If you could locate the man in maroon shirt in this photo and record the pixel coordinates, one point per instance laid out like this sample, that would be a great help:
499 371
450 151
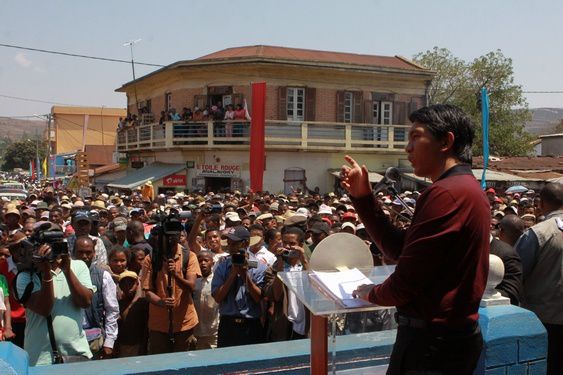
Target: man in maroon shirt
442 258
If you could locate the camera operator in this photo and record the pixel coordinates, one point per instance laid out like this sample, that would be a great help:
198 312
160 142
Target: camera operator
100 320
290 318
57 289
170 289
237 288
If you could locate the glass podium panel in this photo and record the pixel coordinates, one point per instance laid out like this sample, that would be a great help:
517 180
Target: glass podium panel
322 305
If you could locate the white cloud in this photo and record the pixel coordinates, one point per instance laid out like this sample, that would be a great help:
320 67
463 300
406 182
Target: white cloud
22 60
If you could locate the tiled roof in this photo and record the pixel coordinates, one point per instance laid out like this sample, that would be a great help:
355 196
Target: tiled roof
308 55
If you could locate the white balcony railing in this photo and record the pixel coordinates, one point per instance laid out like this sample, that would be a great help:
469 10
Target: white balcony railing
278 135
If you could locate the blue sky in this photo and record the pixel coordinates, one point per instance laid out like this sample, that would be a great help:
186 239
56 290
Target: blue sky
529 32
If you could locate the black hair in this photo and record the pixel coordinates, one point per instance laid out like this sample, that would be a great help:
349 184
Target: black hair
440 119
270 234
294 230
552 194
116 249
256 227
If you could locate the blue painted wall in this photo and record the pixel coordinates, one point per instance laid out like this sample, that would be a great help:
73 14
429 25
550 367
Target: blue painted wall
515 343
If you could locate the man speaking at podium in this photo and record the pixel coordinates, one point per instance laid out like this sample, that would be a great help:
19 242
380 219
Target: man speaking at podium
442 258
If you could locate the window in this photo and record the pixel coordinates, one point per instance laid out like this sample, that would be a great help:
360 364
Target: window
348 105
167 101
295 103
383 113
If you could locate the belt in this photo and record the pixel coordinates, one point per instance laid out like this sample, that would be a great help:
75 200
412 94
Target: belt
237 319
407 321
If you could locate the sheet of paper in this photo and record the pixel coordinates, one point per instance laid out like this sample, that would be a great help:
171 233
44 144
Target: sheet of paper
342 284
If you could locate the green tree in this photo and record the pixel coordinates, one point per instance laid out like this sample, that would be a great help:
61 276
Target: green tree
458 82
20 153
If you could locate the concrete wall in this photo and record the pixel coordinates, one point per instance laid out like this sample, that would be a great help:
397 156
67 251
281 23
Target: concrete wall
552 145
515 343
316 165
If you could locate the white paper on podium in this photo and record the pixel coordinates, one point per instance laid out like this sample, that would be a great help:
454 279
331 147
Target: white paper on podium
341 284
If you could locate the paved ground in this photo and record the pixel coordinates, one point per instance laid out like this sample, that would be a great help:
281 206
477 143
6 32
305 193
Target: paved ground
374 370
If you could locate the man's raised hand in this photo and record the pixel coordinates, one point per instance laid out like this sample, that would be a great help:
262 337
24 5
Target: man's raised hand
355 179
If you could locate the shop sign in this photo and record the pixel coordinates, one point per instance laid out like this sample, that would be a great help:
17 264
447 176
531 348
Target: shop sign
218 170
174 180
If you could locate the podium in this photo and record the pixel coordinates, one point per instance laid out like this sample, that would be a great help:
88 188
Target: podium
334 253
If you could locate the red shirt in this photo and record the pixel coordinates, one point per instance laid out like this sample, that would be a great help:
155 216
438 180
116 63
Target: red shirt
442 258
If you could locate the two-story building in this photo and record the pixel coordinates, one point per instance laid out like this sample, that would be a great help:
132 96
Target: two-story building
319 106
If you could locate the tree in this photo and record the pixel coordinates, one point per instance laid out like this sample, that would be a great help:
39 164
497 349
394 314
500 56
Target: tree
459 83
20 153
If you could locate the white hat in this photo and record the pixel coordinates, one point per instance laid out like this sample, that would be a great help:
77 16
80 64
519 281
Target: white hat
303 211
232 216
265 216
324 210
349 225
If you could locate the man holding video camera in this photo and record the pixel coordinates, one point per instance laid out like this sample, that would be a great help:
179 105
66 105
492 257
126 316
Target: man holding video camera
54 289
237 288
168 278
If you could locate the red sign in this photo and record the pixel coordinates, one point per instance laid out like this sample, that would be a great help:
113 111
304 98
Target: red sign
175 180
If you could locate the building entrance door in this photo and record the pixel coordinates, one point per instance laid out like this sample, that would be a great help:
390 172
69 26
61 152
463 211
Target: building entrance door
217 184
294 180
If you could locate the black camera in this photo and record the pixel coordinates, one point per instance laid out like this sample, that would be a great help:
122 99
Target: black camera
45 234
240 260
166 230
288 253
212 209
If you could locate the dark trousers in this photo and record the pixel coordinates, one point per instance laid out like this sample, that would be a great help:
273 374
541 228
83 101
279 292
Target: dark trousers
426 351
235 331
19 331
159 342
554 349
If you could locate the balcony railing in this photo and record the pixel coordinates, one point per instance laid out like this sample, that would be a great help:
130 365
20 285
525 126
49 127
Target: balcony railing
278 135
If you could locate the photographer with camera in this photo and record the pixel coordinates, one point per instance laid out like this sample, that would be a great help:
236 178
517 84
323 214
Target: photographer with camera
168 278
237 288
290 320
100 321
54 289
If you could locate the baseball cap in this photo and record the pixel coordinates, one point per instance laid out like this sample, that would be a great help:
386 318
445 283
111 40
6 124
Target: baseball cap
238 233
349 225
81 216
320 227
128 273
349 215
232 216
491 190
119 224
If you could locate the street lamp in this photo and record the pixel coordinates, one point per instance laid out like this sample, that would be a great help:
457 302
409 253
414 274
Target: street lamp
130 44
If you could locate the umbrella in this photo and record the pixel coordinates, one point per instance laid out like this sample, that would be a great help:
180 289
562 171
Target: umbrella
517 189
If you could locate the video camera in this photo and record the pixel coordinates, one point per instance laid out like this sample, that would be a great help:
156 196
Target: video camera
44 234
240 259
212 209
166 230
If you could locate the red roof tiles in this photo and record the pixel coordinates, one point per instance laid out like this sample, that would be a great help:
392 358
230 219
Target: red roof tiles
285 53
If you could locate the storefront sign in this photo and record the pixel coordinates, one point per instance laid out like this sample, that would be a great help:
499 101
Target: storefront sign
174 180
218 170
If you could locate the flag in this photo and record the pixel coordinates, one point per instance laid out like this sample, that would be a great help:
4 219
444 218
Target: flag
53 167
257 134
485 123
38 168
44 168
32 170
246 114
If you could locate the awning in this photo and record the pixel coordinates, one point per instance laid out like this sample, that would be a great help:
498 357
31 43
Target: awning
152 172
373 176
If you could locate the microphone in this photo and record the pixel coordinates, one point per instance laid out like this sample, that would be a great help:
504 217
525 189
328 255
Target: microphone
392 175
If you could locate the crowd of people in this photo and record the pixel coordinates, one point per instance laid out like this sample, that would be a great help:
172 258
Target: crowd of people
229 119
129 285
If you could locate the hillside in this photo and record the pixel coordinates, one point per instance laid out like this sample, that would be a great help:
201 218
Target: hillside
544 120
16 128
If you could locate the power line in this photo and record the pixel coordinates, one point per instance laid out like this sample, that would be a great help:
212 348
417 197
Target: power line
542 92
36 100
78 55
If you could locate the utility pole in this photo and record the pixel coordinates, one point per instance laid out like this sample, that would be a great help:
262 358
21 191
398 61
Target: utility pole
130 44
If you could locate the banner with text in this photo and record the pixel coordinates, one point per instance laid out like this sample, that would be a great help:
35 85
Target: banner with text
174 180
218 170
